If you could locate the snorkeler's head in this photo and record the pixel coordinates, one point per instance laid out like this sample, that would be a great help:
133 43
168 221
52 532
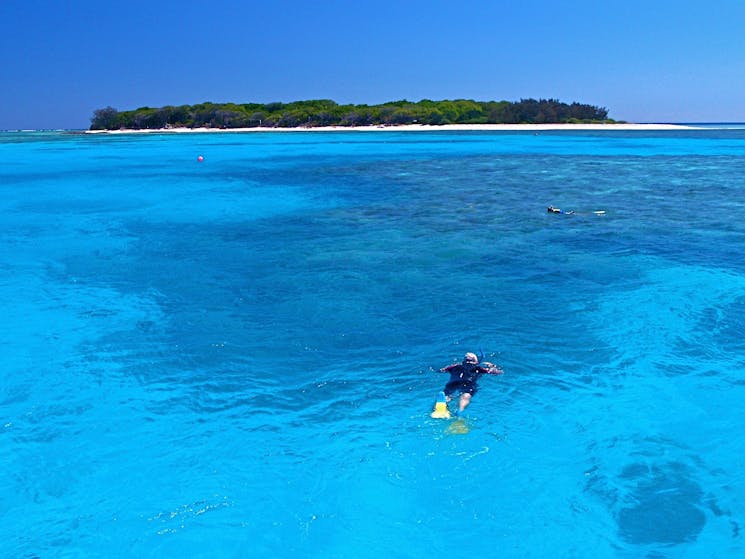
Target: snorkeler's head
470 358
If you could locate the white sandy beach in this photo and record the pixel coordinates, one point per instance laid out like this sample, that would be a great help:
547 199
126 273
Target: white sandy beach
414 128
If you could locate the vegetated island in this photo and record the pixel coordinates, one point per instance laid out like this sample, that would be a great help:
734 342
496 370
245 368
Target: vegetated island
325 113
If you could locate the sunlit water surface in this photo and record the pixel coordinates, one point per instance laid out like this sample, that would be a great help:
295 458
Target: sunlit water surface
237 357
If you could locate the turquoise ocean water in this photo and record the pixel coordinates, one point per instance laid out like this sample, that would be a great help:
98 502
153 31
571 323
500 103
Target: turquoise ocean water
237 357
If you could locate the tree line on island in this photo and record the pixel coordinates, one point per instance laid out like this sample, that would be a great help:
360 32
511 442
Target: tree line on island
325 112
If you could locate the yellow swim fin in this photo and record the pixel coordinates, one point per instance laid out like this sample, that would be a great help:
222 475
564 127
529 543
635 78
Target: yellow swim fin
441 410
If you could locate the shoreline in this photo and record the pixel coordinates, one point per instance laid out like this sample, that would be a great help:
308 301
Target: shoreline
410 128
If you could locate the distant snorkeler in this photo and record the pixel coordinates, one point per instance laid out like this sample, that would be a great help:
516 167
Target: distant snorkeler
553 210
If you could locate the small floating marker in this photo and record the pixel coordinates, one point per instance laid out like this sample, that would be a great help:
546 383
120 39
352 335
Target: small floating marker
200 158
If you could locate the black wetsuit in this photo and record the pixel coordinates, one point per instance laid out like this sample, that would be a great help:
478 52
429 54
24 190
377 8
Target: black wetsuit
463 377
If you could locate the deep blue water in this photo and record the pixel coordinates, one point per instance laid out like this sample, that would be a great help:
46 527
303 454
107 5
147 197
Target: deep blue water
238 357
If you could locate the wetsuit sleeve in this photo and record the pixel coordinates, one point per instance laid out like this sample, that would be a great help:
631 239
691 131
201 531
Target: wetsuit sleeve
448 368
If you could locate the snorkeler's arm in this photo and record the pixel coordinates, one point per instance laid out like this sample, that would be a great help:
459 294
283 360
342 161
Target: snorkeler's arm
491 369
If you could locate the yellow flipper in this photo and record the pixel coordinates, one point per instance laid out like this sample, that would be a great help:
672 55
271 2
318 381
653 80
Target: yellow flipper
441 410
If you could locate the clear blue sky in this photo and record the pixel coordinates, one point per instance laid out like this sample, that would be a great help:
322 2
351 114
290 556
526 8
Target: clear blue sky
645 61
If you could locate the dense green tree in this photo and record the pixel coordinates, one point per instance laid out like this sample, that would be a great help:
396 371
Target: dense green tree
356 118
257 118
434 117
105 119
401 116
273 107
325 118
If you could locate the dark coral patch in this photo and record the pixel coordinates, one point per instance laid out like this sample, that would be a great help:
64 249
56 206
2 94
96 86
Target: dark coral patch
666 505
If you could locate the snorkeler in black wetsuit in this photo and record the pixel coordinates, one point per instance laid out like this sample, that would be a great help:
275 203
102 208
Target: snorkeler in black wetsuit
553 210
463 378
